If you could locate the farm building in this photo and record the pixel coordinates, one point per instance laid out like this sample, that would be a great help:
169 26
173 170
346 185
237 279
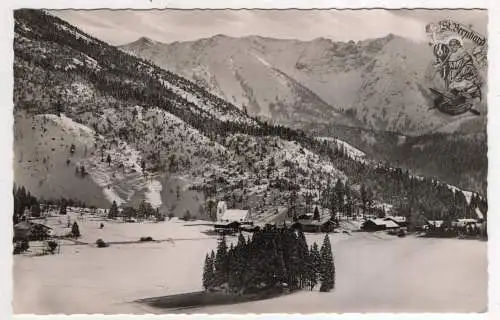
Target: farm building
379 224
31 231
309 225
462 223
434 223
467 226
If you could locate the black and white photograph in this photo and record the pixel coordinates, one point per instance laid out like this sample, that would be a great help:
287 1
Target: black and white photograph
170 161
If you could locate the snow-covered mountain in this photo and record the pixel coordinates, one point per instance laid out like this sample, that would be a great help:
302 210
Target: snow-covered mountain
78 101
379 84
95 124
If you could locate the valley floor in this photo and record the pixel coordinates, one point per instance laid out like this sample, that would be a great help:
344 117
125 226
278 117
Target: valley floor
375 273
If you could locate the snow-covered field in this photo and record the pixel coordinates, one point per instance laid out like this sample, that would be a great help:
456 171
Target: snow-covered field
375 273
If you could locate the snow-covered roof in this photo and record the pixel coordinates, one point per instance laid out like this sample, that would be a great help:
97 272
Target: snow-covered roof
391 224
464 222
235 215
397 219
382 222
27 225
378 222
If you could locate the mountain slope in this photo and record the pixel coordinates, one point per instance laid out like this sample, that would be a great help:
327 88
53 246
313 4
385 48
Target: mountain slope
380 84
57 157
242 73
180 136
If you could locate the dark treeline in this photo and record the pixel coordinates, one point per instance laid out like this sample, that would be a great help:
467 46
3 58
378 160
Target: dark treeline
132 80
410 195
272 258
25 202
144 211
459 159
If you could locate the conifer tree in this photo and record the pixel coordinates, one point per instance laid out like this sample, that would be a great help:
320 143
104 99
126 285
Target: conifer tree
293 199
238 264
241 240
259 273
249 279
35 209
315 266
339 195
316 214
208 272
272 267
231 269
113 211
75 230
212 257
327 269
364 198
291 258
305 262
221 263
279 263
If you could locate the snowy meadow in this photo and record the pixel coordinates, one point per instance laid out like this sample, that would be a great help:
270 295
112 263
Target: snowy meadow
375 272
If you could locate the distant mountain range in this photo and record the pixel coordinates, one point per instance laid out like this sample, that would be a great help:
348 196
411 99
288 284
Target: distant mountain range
378 84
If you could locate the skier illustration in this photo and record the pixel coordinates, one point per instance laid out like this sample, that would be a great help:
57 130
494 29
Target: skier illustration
461 79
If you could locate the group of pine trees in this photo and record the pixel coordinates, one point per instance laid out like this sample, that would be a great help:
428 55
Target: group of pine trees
272 258
144 211
337 196
24 200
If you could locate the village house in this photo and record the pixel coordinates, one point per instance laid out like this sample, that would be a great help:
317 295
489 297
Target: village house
230 220
30 231
467 226
379 224
462 223
433 223
304 223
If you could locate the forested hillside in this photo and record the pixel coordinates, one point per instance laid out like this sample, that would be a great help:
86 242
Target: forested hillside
460 159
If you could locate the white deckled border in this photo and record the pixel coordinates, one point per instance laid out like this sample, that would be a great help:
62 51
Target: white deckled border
6 137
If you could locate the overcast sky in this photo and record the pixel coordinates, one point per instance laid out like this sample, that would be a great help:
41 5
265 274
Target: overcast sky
123 26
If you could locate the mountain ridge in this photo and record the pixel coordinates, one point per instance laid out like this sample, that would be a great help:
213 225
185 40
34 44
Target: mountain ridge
351 77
